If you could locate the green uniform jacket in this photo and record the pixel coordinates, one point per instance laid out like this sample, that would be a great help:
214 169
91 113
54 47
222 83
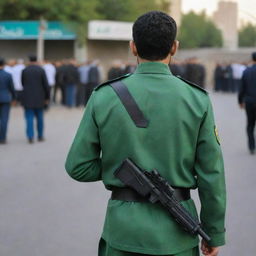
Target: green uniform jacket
180 142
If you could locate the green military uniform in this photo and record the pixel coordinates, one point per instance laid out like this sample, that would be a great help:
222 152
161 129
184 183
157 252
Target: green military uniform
180 142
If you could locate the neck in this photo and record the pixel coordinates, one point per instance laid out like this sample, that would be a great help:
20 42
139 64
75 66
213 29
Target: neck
166 61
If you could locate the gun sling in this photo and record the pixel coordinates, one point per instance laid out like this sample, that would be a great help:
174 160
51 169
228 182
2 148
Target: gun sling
130 195
130 104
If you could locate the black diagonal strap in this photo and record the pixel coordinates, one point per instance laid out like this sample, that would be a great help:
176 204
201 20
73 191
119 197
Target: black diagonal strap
130 104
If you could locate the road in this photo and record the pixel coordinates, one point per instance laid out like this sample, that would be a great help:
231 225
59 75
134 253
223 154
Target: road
45 213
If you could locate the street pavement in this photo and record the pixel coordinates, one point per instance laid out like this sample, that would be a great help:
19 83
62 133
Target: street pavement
45 213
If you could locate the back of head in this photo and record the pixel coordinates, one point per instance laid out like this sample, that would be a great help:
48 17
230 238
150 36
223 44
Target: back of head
2 62
32 58
254 56
154 34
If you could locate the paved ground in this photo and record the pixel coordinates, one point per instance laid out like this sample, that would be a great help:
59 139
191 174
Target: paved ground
45 213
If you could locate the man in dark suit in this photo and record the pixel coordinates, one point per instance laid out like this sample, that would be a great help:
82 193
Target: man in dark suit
70 82
93 79
35 97
247 100
195 72
7 94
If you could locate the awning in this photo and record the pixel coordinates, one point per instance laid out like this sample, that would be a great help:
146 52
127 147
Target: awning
16 30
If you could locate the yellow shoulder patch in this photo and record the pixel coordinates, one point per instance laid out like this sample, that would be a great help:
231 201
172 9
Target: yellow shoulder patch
217 134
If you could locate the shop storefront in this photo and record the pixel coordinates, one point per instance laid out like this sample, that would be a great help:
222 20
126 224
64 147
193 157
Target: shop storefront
19 38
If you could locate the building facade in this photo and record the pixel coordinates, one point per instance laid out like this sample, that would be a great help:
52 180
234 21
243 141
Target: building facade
226 19
176 11
18 39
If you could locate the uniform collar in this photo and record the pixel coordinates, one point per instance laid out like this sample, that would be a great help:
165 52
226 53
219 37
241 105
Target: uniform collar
153 68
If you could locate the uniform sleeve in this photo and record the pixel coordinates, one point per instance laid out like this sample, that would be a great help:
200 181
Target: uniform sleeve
209 168
83 161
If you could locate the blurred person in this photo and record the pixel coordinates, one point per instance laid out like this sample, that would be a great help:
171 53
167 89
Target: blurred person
83 83
195 72
16 74
129 68
218 78
231 86
50 72
223 76
177 68
9 66
162 122
35 97
70 82
247 100
7 95
116 70
59 80
93 79
237 71
228 78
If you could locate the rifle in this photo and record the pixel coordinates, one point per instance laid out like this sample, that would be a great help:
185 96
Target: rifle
156 189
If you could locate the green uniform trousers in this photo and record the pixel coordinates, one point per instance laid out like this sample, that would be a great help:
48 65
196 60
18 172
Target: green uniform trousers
106 250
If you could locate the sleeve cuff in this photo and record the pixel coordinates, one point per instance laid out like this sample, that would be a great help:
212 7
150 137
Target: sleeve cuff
217 239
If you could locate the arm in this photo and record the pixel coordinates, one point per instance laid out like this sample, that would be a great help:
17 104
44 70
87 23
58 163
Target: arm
83 161
209 168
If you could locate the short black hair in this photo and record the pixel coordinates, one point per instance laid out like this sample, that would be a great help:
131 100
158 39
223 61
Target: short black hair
154 34
32 58
254 56
2 62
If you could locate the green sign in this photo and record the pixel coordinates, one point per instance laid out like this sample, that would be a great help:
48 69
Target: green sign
30 30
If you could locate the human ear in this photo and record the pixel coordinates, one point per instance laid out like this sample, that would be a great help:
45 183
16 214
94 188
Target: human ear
175 47
133 48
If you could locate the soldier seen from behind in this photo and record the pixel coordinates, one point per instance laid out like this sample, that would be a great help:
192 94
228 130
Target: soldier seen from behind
170 128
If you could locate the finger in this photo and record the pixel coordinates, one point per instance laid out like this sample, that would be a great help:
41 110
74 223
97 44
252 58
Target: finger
213 252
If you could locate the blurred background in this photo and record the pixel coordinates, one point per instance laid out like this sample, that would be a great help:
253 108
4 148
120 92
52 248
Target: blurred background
45 213
222 32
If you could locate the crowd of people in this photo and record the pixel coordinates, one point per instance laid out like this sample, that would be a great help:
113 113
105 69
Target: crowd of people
190 69
35 87
75 83
227 76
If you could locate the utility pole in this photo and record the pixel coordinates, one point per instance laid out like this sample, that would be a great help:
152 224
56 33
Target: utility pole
40 40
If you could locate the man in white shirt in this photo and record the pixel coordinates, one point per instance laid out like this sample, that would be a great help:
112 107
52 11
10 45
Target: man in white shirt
50 71
9 66
16 76
237 70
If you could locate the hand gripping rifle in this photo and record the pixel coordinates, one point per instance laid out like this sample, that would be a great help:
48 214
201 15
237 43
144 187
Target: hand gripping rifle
154 187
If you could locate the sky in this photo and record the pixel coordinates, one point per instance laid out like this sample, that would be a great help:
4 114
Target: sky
246 8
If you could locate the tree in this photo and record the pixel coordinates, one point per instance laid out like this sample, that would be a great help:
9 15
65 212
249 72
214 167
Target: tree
247 36
76 13
129 10
197 30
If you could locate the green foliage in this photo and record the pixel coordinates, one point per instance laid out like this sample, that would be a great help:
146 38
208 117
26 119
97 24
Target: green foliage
247 36
77 13
74 12
197 31
129 10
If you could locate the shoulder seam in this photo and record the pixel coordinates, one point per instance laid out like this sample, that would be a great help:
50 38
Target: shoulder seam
192 84
113 80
